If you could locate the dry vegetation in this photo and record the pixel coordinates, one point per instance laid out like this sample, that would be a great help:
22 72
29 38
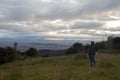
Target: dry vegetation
71 67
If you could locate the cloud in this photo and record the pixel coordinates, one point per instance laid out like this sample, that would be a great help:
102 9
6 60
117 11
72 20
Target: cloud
58 18
15 27
96 6
33 27
87 25
63 9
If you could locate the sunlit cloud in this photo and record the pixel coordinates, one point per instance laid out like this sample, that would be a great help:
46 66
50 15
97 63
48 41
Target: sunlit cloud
113 24
54 39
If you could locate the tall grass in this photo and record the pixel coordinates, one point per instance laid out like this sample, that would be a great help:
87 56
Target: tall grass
71 67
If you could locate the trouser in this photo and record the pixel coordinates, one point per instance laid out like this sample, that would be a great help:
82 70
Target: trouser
92 59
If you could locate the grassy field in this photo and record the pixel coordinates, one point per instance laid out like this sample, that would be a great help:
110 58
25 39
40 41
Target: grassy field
72 67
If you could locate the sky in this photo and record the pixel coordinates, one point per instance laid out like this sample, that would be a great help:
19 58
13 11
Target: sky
58 20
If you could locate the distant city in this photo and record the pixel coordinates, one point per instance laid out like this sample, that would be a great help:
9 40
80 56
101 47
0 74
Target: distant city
39 46
23 44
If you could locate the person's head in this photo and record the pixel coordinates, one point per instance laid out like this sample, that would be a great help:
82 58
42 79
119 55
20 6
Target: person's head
92 42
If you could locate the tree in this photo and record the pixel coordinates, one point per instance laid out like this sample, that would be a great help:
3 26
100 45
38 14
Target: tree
15 46
76 48
86 48
101 45
32 52
116 43
109 43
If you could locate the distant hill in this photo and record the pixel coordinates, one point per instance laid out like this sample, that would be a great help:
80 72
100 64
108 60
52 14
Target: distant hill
48 53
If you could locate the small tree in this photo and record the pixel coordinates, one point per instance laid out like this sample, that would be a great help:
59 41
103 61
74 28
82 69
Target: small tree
32 52
15 46
76 48
109 43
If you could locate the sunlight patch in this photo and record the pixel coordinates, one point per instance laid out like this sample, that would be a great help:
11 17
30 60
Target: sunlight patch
113 24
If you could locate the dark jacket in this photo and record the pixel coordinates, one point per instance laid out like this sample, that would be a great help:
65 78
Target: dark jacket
92 50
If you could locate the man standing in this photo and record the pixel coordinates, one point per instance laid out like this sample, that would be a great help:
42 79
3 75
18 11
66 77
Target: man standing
92 51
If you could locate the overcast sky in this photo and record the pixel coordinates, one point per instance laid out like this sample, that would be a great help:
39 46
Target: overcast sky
56 20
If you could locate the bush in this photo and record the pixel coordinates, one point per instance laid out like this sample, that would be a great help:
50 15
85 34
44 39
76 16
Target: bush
9 54
6 55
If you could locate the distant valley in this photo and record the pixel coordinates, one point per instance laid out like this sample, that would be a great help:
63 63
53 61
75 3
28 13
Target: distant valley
39 46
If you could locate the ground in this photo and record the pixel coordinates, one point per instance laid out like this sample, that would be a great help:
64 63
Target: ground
70 67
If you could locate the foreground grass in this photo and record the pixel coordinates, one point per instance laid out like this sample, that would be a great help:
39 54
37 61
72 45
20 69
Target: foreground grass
71 67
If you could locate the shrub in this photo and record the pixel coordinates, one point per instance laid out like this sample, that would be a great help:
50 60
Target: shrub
6 55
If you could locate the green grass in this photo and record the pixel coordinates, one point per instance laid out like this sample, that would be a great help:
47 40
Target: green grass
72 67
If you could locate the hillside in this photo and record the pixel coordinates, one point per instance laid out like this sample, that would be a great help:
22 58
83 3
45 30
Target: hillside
72 67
